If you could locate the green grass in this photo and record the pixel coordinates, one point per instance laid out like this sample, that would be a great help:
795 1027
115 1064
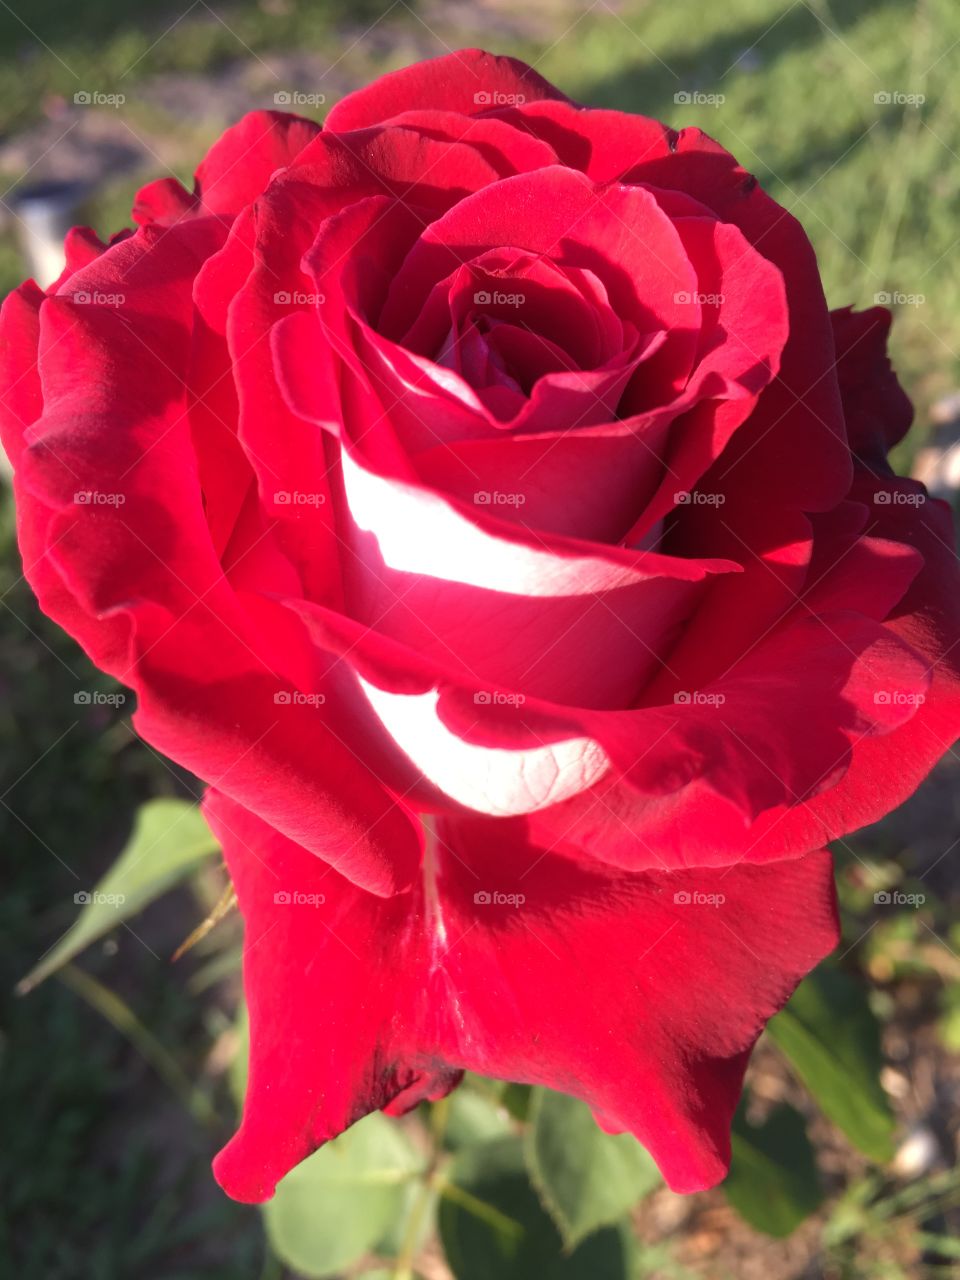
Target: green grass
63 46
103 1175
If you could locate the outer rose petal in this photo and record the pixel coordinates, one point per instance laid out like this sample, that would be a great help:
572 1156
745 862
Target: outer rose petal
625 990
21 401
886 770
235 170
877 409
136 580
240 164
469 81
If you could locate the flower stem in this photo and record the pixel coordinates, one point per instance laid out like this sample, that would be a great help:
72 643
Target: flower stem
403 1266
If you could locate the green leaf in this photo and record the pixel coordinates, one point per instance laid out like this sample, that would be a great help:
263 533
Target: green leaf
237 1071
492 1224
516 1098
341 1201
416 1218
586 1178
472 1117
832 1039
383 1273
170 839
773 1181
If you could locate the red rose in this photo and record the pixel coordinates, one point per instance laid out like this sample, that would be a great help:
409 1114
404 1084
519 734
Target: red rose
478 496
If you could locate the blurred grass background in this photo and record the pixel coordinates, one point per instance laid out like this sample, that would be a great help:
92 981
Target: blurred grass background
104 1174
877 185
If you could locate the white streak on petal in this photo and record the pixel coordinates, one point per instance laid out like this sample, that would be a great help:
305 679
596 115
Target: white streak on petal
492 780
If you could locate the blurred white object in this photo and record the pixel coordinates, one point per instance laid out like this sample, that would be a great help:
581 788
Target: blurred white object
45 213
894 1082
937 464
918 1153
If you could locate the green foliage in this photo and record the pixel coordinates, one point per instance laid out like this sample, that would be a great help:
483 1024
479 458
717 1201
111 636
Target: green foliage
340 1203
773 1181
492 1224
585 1177
474 1117
832 1040
170 839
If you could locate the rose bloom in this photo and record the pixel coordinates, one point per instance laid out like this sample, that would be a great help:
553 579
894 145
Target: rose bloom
478 495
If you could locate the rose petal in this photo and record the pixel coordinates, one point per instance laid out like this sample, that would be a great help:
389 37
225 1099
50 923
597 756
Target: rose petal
469 81
584 985
131 571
